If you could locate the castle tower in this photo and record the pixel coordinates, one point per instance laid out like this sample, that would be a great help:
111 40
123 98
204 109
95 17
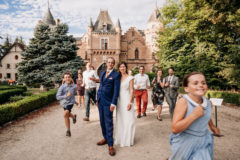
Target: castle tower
48 18
154 24
118 38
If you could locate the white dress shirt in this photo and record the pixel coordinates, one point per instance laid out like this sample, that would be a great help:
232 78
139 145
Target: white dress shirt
142 81
90 74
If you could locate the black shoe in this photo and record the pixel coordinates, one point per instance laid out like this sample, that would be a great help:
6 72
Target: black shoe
144 114
139 116
74 118
68 134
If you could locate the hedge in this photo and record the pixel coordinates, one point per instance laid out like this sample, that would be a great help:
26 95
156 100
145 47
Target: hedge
7 87
11 111
6 94
228 97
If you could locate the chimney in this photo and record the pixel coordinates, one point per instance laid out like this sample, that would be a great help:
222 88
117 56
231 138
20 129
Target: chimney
57 21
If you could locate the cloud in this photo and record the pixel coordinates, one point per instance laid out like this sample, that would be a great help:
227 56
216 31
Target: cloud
5 5
21 16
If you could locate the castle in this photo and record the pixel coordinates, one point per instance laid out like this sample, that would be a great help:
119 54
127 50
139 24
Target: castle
104 39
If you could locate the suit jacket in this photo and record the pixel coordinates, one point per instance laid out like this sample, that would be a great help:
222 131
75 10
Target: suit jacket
109 88
172 92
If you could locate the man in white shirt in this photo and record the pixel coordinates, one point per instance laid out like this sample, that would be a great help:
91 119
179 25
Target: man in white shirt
90 78
141 84
171 87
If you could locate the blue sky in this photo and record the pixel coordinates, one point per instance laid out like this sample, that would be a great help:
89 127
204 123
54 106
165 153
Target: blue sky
19 17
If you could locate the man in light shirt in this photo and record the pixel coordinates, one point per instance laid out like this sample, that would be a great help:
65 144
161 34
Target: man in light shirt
90 78
171 87
141 84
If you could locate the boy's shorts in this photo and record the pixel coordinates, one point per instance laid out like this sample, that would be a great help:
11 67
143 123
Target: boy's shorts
68 107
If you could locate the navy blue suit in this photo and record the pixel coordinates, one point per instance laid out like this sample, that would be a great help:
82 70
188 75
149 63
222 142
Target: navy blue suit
108 93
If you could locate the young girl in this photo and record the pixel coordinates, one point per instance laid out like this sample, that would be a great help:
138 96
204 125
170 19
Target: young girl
80 89
190 138
66 95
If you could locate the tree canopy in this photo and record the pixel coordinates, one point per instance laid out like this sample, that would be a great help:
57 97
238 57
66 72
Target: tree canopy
202 36
51 52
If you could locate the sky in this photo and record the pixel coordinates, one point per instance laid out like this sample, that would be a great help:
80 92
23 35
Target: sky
19 17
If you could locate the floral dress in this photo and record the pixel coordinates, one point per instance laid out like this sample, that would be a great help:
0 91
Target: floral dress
157 92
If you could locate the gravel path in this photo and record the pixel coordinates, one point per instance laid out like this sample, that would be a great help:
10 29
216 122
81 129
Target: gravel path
41 136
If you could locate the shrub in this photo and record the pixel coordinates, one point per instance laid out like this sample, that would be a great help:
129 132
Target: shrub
16 98
228 97
6 94
6 87
11 111
151 76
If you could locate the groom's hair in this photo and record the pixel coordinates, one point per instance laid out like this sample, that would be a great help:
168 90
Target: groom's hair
111 58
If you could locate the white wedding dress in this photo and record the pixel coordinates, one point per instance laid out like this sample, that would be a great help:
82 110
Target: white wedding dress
126 120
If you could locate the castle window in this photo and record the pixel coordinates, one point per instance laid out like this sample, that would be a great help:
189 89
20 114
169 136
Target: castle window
136 53
133 33
8 66
86 55
0 75
16 57
16 65
8 75
104 44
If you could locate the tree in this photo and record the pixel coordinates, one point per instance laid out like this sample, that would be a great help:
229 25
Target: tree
50 53
202 36
6 45
1 49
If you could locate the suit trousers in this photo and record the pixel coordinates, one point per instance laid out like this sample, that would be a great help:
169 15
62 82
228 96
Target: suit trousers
106 122
141 95
171 102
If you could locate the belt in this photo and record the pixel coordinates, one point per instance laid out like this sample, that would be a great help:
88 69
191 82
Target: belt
141 89
91 88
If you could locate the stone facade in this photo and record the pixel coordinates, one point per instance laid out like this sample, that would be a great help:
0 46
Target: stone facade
9 63
103 39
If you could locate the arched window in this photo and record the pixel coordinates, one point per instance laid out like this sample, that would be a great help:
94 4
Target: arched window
136 53
16 57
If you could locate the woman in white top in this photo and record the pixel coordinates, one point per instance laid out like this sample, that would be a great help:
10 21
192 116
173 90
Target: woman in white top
126 121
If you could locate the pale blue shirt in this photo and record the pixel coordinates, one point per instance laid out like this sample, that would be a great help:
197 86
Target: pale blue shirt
62 94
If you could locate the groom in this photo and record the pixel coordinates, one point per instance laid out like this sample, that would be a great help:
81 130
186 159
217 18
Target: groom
107 100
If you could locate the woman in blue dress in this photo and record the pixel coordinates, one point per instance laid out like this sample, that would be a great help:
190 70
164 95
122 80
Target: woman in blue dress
190 138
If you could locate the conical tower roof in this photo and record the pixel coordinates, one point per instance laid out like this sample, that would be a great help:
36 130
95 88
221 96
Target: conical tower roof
118 25
48 18
156 15
90 23
104 23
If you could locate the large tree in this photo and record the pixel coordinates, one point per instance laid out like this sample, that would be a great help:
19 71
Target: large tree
50 53
202 36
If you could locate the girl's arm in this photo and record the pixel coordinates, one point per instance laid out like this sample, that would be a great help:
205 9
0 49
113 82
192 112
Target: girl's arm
213 128
179 123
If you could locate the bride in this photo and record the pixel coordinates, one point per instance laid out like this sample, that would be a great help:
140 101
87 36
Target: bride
126 122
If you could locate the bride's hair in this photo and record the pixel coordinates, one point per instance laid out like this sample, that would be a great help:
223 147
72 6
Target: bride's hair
125 64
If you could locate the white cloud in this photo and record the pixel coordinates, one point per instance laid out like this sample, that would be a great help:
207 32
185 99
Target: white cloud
75 13
5 5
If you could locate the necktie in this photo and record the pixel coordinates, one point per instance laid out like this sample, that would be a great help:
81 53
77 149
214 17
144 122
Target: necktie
106 74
